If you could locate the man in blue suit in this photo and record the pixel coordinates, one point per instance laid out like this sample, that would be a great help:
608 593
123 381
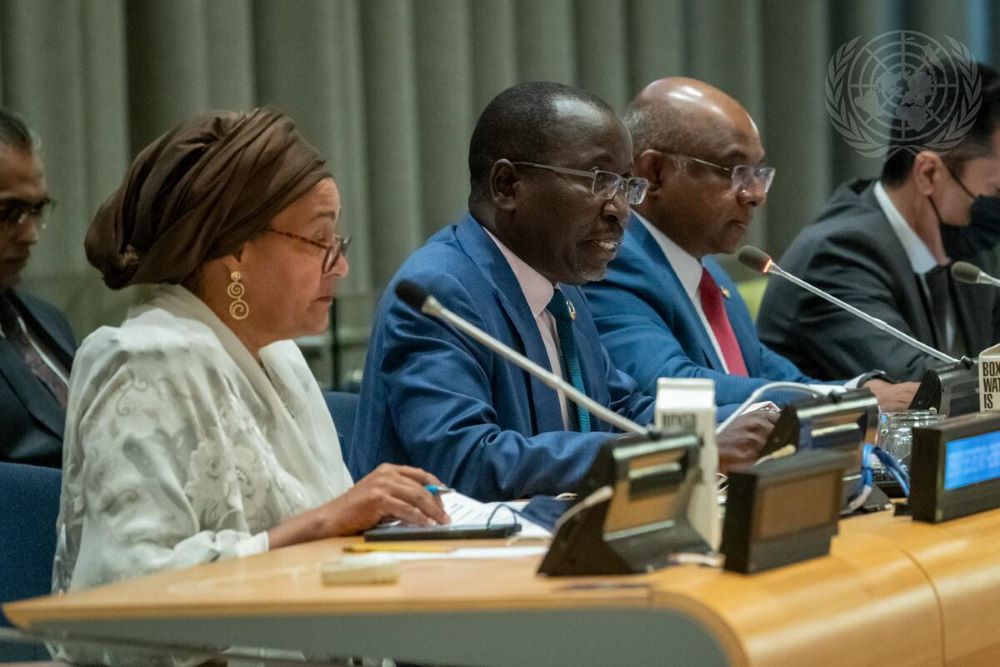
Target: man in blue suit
666 308
36 342
550 193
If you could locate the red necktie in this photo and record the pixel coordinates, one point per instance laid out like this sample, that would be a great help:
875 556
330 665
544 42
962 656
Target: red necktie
715 313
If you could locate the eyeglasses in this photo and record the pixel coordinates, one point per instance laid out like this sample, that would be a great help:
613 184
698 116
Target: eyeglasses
742 176
14 212
606 184
334 251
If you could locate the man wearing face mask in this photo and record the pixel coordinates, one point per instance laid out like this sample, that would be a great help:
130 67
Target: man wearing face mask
886 247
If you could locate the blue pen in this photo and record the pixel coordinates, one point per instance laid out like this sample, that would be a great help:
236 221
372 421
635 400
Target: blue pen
437 489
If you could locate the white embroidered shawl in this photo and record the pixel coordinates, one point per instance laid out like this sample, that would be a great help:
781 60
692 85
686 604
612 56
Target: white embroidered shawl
180 449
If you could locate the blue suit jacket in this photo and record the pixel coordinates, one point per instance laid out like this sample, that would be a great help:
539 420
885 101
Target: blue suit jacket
31 419
652 330
433 398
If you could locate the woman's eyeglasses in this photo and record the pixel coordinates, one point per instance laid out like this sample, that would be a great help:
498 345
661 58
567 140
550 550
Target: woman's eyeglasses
334 251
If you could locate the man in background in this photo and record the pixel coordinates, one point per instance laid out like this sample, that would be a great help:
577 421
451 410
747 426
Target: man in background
886 247
667 308
36 342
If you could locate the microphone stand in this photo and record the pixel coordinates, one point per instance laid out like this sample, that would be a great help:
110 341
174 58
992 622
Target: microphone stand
874 321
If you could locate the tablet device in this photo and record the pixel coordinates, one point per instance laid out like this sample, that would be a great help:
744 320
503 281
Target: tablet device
455 532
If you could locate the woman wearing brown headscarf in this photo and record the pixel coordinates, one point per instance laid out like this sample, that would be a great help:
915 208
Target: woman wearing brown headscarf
195 430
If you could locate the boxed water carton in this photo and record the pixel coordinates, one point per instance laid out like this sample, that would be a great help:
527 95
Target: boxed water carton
688 404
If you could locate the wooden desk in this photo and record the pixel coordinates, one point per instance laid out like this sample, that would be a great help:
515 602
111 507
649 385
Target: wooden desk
961 559
867 603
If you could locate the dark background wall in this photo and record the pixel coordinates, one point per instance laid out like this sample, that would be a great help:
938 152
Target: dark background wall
389 91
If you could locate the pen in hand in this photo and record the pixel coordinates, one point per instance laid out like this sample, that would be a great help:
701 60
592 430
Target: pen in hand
437 489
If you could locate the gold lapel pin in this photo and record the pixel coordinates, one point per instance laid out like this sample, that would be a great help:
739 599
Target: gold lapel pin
725 292
572 309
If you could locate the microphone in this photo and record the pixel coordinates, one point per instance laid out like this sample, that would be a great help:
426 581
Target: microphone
760 261
418 299
965 272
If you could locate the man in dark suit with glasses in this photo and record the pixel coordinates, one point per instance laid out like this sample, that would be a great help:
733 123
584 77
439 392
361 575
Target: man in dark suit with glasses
36 342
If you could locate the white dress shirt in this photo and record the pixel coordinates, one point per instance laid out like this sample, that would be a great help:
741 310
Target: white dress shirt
917 252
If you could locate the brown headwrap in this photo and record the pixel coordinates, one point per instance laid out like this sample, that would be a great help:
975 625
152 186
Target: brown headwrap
198 193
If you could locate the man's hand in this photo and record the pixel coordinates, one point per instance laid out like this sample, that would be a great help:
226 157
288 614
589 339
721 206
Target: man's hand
743 440
892 397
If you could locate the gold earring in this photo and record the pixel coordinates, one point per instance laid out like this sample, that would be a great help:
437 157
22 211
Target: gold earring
238 309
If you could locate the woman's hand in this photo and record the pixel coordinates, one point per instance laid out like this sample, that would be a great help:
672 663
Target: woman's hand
390 491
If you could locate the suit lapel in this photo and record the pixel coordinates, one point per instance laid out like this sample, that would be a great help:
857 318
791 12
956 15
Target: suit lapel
914 305
665 275
42 405
974 315
485 253
46 330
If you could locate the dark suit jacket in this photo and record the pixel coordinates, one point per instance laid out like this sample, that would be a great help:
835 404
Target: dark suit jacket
433 398
852 252
652 330
31 419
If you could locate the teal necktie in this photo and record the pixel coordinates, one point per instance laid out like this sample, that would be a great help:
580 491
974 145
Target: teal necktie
564 313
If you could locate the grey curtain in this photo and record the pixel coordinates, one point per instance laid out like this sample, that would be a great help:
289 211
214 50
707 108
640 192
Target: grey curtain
389 91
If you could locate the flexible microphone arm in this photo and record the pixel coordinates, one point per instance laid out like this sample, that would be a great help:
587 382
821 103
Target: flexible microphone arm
964 272
759 261
417 298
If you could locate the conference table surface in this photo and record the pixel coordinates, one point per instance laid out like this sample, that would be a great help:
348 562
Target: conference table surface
892 591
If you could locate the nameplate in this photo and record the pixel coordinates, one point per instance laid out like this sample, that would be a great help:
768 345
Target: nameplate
955 467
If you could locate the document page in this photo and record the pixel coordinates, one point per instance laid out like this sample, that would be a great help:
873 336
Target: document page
464 510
